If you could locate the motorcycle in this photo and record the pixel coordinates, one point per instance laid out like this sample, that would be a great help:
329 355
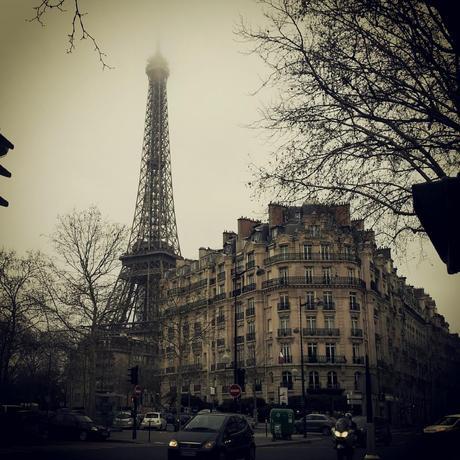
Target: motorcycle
344 438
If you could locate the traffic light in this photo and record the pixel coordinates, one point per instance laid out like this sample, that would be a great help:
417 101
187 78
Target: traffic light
134 375
5 145
437 206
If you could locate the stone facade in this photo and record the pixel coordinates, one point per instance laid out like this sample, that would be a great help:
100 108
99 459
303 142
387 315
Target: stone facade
309 270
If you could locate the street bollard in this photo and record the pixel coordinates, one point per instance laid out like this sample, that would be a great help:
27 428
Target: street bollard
266 428
150 424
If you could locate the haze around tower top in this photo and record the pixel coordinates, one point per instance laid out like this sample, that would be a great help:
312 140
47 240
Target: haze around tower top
78 130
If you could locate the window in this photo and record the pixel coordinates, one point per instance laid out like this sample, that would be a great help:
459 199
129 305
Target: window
354 324
309 275
307 251
330 352
250 257
356 351
311 322
351 274
221 289
285 354
283 274
327 300
250 279
325 252
284 301
332 379
310 300
313 379
269 325
327 275
312 350
347 252
286 380
329 322
314 230
353 301
251 327
284 323
284 251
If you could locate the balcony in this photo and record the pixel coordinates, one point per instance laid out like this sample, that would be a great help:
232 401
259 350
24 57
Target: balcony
220 296
301 281
250 362
329 305
170 370
221 366
322 359
358 360
285 332
239 315
192 367
240 339
321 332
311 306
311 256
250 264
250 312
355 306
282 306
333 386
221 276
249 287
221 342
250 336
356 332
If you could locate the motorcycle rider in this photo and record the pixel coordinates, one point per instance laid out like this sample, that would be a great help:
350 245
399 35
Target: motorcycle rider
345 437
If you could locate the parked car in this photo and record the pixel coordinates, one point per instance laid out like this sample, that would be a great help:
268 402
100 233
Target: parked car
382 430
72 425
23 427
214 435
315 422
153 420
447 425
123 420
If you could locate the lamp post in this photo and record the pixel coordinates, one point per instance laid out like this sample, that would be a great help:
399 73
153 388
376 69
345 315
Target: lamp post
302 371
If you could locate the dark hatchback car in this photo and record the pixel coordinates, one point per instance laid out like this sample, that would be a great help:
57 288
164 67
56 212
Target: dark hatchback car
214 436
72 425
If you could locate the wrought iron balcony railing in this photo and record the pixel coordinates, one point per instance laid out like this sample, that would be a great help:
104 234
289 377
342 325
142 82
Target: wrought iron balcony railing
321 332
300 281
356 332
324 359
313 256
285 332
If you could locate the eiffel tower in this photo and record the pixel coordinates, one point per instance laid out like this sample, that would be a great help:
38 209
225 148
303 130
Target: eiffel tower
153 245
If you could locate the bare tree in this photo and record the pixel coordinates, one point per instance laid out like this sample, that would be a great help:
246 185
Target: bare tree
19 315
79 284
78 30
185 328
369 104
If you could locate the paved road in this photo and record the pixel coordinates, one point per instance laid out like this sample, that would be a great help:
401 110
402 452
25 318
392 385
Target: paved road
404 447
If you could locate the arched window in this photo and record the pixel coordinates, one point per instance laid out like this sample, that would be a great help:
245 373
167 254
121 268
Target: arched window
287 379
313 379
332 379
357 381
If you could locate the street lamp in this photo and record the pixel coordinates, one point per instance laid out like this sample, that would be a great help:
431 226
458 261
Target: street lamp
302 371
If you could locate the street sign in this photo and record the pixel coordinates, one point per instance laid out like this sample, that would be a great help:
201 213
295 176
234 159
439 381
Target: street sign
283 394
137 390
235 390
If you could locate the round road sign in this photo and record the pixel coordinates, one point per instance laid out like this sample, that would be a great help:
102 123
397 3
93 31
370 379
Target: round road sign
234 390
137 390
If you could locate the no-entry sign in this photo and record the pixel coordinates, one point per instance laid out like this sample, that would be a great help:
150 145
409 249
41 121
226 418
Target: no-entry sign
137 390
235 390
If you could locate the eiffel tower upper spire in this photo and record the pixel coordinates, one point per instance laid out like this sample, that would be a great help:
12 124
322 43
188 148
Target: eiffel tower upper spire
153 243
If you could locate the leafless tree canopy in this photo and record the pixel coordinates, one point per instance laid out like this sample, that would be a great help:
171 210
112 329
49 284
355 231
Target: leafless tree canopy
78 30
369 104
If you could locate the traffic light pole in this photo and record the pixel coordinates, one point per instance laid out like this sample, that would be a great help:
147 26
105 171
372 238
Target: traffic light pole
134 416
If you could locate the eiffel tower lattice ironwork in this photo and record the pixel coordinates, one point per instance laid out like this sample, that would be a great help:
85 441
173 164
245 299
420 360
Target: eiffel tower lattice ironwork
153 245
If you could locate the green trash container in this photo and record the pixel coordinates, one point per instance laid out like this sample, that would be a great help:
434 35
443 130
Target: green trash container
281 423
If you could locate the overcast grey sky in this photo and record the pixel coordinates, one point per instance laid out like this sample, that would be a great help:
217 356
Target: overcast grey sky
78 131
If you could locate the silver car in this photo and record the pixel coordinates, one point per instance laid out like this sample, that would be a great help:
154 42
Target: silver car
123 420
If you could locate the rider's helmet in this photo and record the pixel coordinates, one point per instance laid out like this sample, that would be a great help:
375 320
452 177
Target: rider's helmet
348 415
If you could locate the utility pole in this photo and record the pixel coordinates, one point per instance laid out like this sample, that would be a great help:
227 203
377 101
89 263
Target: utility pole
370 427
